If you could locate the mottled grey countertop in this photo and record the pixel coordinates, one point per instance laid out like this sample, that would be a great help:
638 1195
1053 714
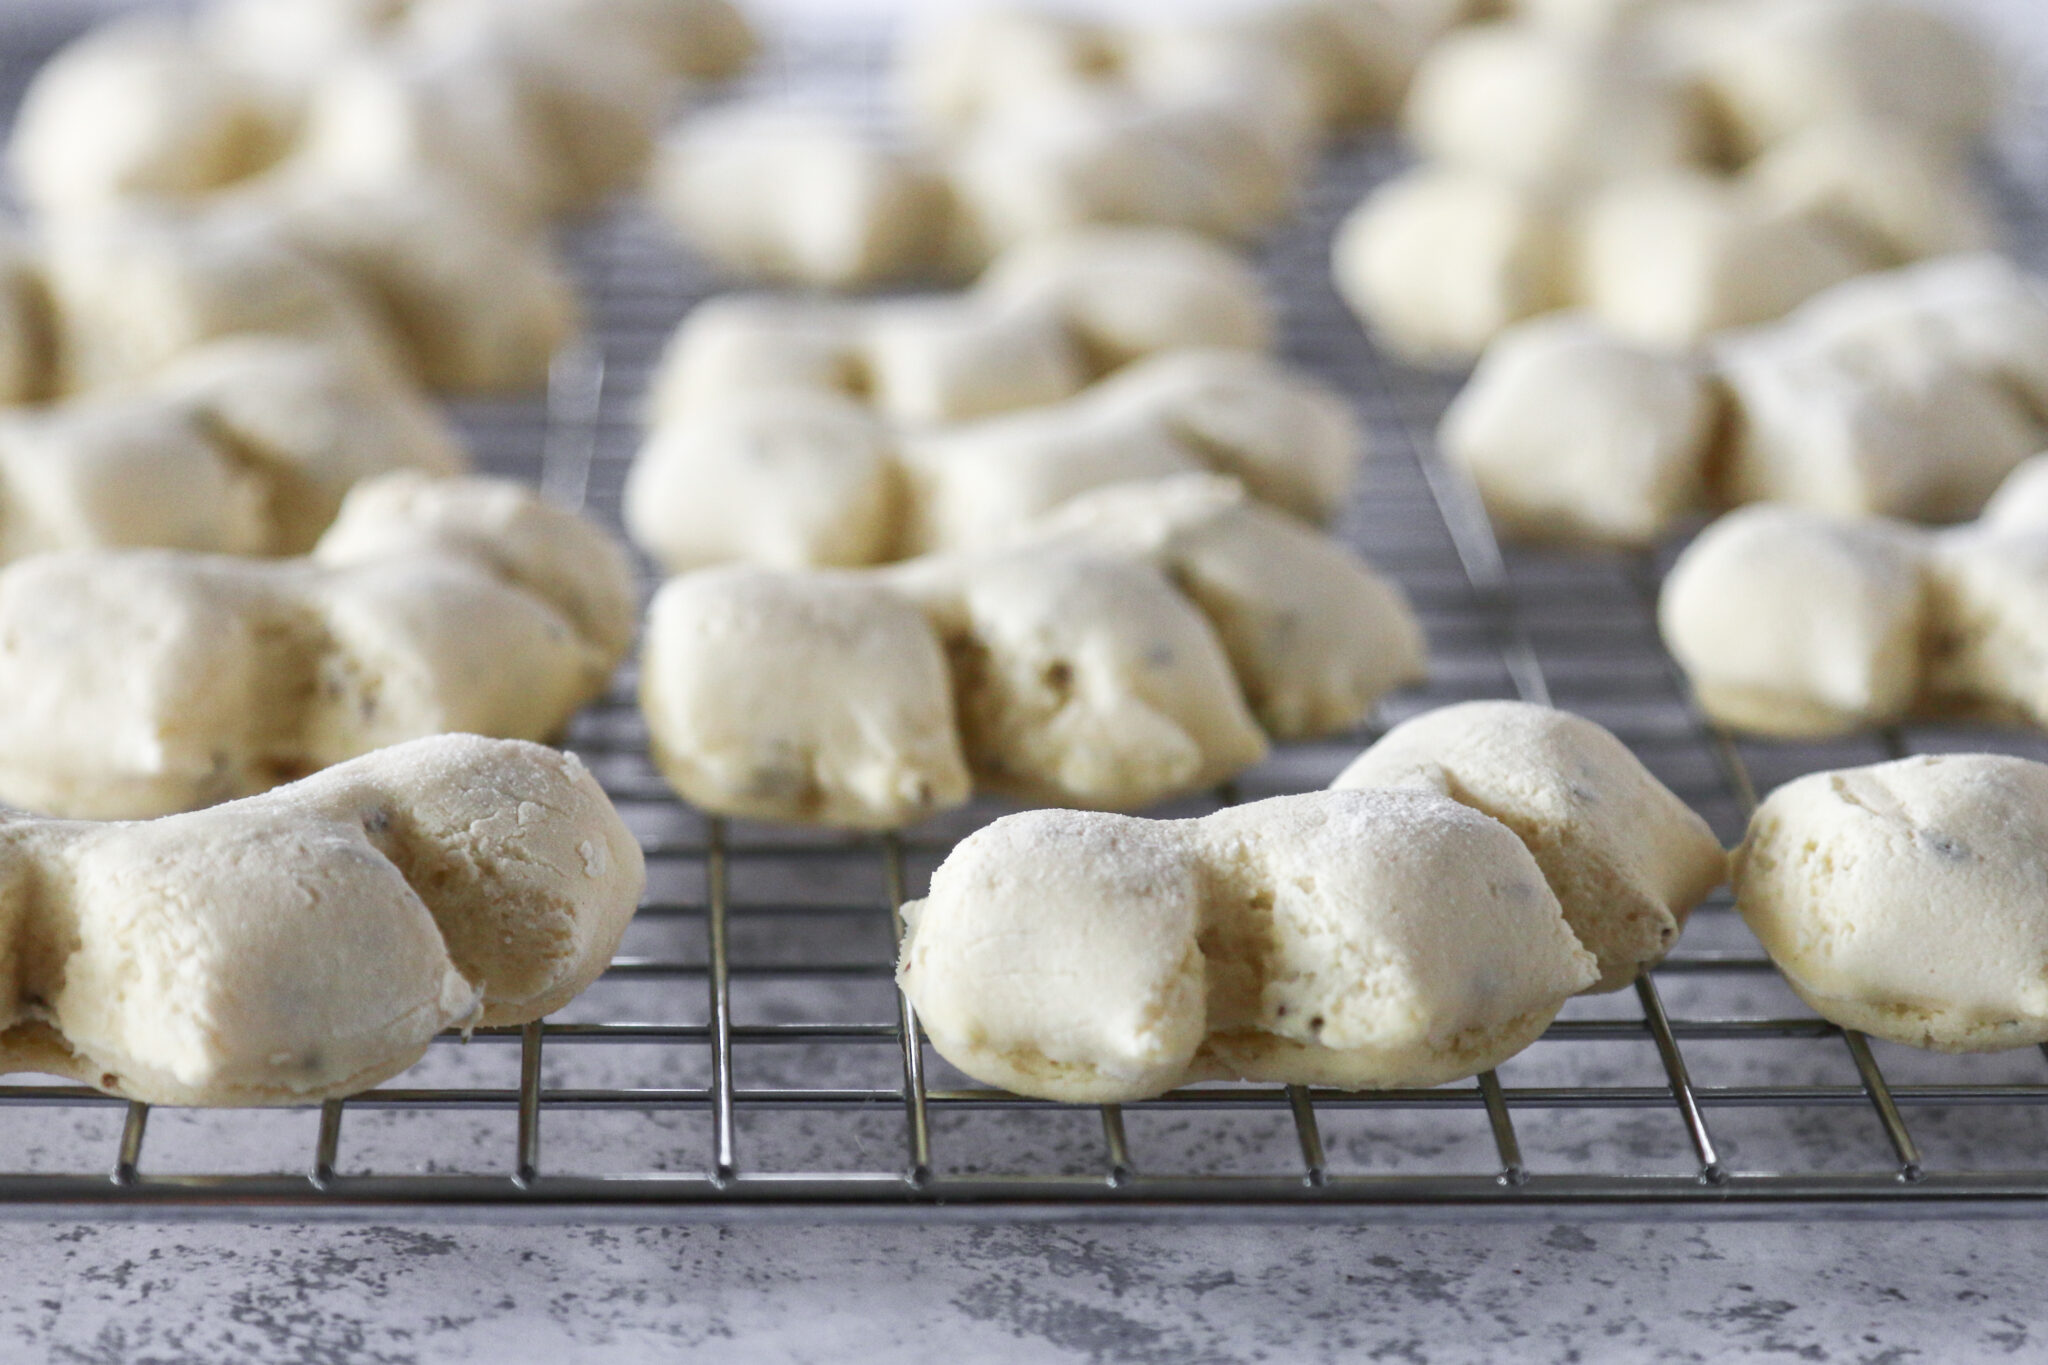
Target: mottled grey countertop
1537 1292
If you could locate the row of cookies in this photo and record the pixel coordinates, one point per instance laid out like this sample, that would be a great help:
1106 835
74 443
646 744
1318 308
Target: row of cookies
1795 622
397 160
1909 393
1022 121
1051 536
1428 917
1674 168
808 432
258 229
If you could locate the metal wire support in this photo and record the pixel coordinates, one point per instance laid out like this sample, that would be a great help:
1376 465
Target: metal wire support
917 1119
526 1169
845 1109
724 1162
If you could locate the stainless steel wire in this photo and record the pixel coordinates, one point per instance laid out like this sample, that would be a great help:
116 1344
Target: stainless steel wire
752 1043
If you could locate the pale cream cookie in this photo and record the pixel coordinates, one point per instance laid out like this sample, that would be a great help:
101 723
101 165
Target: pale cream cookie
1626 858
1906 899
1113 656
429 607
1791 622
308 943
1357 939
862 730
1571 433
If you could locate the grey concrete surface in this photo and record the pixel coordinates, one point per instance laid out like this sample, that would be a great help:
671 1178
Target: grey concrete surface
1430 1295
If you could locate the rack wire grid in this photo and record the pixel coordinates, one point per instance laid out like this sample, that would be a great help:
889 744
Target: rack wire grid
748 1049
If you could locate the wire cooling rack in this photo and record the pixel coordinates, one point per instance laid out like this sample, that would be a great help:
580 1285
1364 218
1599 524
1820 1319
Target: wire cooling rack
748 1049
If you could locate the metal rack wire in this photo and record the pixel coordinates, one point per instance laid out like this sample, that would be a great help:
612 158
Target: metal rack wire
748 1050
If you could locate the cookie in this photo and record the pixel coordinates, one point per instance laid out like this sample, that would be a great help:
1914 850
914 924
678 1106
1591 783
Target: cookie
1904 899
1789 622
799 474
863 732
241 446
1626 858
1272 588
1570 432
1440 260
1357 939
1909 394
771 194
429 607
308 943
1113 656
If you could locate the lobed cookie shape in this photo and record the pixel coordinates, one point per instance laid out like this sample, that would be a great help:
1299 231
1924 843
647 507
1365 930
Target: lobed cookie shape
1775 68
1440 260
862 731
1027 124
1083 676
1570 433
1288 440
1128 650
130 293
769 193
1344 64
430 606
1055 675
1126 292
1908 394
1623 164
308 943
1360 939
407 155
1906 899
533 108
1226 160
475 304
1795 623
1625 857
243 446
1791 623
800 477
1043 320
1524 101
1274 596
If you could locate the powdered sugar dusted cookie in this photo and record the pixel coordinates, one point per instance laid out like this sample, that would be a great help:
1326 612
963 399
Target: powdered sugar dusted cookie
862 729
1359 939
1285 437
1525 102
1906 899
1084 677
1113 656
1910 394
1569 432
1128 292
801 474
463 605
1792 622
793 478
242 446
1626 858
308 943
1272 588
1439 260
1669 259
772 194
